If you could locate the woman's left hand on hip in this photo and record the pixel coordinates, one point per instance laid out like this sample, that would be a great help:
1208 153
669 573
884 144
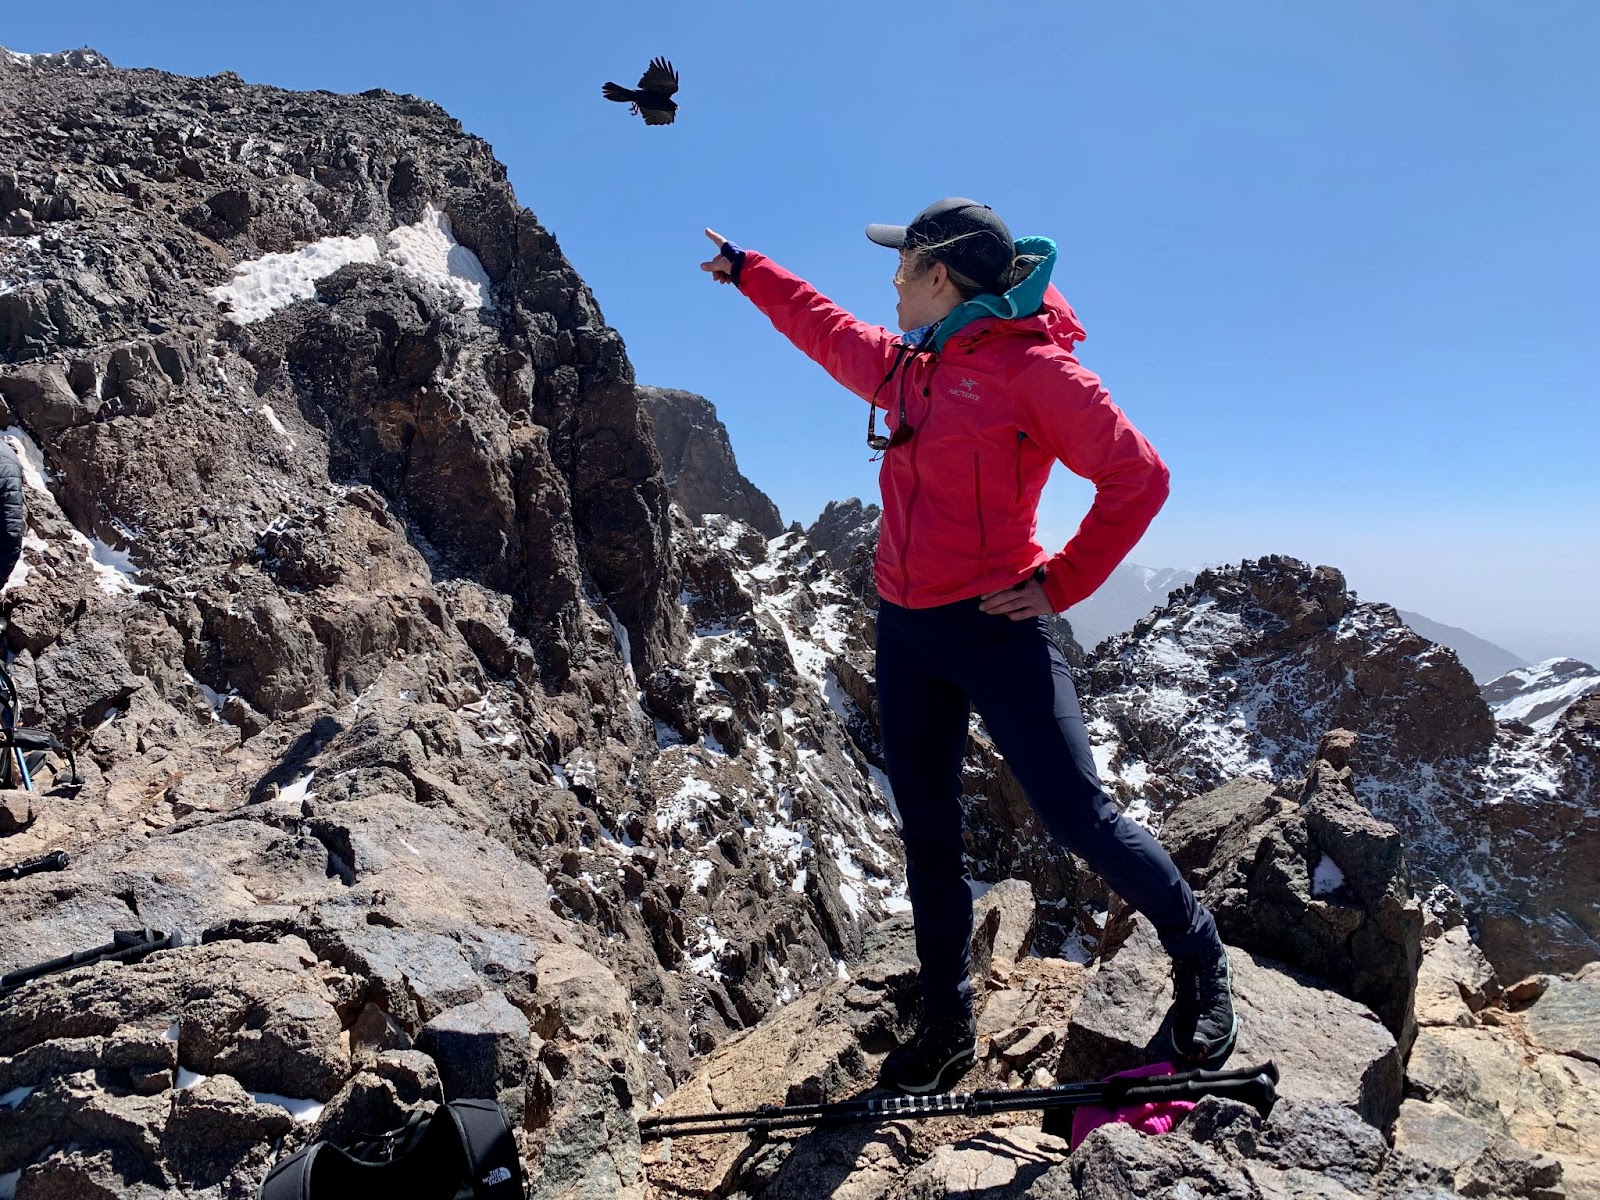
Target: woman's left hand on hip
1020 602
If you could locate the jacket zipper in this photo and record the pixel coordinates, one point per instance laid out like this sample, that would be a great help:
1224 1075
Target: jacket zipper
977 503
916 484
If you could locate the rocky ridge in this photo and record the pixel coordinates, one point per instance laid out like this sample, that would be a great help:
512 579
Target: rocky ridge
1241 674
698 463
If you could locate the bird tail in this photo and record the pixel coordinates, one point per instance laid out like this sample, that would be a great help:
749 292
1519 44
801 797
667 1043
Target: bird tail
615 91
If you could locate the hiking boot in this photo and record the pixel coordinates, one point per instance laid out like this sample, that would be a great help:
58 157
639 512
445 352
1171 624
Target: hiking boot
1203 1025
938 1054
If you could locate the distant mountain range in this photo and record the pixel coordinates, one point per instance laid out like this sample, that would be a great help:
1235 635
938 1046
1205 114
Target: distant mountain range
1483 658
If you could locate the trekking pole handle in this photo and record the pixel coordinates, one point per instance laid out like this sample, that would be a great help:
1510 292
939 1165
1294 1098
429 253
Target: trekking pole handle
56 860
1255 1086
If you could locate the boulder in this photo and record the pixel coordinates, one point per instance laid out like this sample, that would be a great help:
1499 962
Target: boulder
481 1050
1310 877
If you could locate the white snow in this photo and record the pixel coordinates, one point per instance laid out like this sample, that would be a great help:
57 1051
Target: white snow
620 632
18 272
113 569
1327 878
1543 692
681 806
15 1097
303 1111
782 841
700 874
581 771
213 698
84 59
19 573
261 286
299 790
272 419
709 944
429 251
29 455
110 556
171 1035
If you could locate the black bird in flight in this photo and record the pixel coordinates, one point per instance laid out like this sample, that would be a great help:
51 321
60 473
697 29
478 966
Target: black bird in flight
653 99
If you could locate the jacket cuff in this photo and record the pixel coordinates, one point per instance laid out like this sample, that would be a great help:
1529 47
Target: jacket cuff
735 256
1058 585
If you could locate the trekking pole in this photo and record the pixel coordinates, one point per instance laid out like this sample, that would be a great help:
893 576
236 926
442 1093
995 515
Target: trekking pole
56 860
127 945
1255 1086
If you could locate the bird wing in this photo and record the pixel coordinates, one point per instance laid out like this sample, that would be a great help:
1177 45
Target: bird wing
660 78
657 116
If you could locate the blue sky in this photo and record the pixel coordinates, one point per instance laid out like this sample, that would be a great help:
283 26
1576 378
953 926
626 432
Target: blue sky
1341 263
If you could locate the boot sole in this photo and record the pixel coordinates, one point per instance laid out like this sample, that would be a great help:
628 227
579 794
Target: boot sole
958 1064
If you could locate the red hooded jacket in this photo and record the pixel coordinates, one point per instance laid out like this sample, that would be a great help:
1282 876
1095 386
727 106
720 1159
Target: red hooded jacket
991 411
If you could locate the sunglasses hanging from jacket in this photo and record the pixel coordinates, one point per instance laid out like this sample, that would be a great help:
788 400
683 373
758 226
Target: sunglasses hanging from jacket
901 434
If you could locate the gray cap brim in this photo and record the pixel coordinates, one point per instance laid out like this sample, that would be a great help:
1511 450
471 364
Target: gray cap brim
892 236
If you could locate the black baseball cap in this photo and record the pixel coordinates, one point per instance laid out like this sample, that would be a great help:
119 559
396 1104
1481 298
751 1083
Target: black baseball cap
964 235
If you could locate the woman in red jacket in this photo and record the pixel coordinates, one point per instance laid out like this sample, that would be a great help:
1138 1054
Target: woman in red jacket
981 395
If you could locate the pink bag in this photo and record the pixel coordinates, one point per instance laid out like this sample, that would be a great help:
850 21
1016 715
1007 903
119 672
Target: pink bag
1155 1117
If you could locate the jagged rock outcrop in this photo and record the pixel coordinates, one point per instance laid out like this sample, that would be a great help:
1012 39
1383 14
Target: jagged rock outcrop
1241 674
845 529
505 431
698 461
1503 1084
1310 877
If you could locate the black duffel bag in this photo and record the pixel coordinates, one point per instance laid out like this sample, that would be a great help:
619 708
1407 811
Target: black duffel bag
463 1150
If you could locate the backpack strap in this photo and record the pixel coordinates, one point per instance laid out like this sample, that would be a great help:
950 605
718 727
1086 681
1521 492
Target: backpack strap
290 1178
472 1155
493 1164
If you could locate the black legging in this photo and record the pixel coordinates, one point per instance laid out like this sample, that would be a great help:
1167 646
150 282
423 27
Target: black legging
933 665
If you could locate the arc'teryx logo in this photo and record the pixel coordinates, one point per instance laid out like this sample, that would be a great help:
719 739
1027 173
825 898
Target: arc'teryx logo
966 389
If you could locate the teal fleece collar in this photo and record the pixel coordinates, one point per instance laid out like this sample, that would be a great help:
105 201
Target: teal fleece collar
1023 300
